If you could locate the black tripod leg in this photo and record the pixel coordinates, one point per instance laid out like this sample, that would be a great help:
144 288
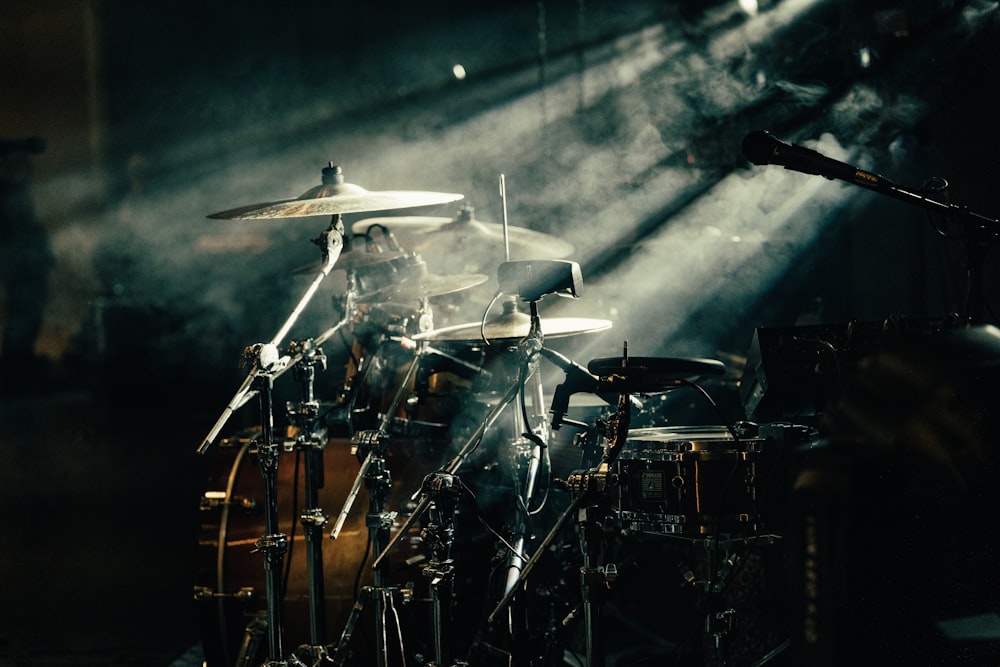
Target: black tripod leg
342 653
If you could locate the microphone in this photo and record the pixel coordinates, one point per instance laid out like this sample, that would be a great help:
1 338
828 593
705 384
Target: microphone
578 379
763 148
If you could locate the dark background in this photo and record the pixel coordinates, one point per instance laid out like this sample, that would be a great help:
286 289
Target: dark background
617 127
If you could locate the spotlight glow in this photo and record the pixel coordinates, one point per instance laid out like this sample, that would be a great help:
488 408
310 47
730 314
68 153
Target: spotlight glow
864 57
458 71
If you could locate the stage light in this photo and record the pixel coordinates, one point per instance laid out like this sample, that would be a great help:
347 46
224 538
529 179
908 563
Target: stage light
748 6
864 57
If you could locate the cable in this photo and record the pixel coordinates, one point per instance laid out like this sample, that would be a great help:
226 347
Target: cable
482 322
291 536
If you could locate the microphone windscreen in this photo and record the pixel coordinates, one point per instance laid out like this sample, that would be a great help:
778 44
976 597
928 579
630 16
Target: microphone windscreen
758 147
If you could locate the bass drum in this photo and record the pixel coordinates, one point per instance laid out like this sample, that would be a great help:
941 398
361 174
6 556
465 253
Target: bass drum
230 584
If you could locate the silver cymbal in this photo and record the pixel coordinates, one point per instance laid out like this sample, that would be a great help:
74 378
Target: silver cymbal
466 237
334 197
515 325
349 260
424 286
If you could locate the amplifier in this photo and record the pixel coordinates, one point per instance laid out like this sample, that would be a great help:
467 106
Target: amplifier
792 372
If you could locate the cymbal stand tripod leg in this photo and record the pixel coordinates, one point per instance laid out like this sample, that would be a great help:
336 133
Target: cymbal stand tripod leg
311 441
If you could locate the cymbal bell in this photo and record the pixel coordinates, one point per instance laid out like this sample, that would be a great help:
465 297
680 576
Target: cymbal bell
335 197
515 325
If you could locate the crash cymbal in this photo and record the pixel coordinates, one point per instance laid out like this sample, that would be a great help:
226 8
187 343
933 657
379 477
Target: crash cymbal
515 325
334 197
421 287
465 237
653 374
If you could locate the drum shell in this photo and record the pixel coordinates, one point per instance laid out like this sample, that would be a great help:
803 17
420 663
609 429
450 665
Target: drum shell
687 481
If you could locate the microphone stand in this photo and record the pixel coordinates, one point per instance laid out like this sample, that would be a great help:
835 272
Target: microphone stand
979 232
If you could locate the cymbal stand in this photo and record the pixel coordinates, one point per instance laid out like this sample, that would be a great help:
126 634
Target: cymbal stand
264 358
273 544
589 485
527 351
311 441
266 362
372 446
453 466
528 449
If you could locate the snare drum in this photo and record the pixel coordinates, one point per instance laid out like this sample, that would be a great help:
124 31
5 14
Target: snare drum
688 481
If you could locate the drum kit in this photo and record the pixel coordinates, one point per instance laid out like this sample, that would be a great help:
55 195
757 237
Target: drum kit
444 431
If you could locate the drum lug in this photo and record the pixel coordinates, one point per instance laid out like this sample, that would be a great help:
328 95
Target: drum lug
602 576
314 517
206 593
215 499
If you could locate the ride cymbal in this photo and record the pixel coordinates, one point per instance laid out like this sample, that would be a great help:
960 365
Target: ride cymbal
653 374
335 197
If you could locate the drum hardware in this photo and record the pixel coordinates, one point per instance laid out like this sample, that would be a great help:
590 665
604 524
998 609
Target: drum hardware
525 353
273 544
378 481
438 534
264 359
265 364
587 486
311 441
372 446
578 379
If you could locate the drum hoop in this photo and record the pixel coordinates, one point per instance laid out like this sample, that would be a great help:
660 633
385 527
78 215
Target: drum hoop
680 443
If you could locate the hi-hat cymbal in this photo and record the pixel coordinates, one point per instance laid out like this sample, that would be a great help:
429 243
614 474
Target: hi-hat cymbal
464 236
654 374
515 325
334 197
422 287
